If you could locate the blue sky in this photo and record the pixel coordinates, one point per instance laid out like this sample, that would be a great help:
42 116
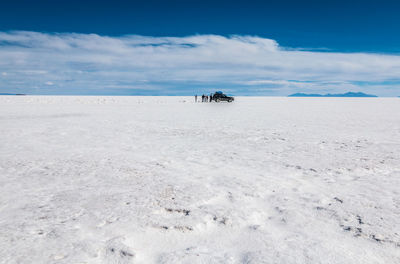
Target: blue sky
186 47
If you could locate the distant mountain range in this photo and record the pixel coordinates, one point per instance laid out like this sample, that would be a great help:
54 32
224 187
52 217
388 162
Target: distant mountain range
349 94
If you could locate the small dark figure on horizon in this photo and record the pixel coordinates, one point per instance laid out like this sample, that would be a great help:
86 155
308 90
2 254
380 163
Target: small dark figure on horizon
211 97
195 98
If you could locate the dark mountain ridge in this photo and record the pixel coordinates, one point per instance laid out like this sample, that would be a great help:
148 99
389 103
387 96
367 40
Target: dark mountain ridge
348 94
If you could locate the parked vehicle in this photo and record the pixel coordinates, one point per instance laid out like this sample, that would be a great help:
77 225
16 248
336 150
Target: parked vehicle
219 96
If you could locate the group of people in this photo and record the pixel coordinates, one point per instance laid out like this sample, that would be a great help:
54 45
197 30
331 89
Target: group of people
204 98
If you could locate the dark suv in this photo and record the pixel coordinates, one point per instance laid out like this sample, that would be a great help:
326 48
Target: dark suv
219 96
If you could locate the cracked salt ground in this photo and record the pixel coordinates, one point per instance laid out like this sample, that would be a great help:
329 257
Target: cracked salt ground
162 180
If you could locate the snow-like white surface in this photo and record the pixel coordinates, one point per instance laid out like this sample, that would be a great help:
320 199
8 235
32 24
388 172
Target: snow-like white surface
165 180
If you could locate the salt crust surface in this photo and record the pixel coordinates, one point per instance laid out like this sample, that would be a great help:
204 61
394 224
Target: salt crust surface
166 180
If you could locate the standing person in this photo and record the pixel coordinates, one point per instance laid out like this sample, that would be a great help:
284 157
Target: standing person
206 98
202 98
211 95
195 98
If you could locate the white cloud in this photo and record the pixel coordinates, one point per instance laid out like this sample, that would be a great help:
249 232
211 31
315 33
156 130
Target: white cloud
243 64
49 83
4 74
